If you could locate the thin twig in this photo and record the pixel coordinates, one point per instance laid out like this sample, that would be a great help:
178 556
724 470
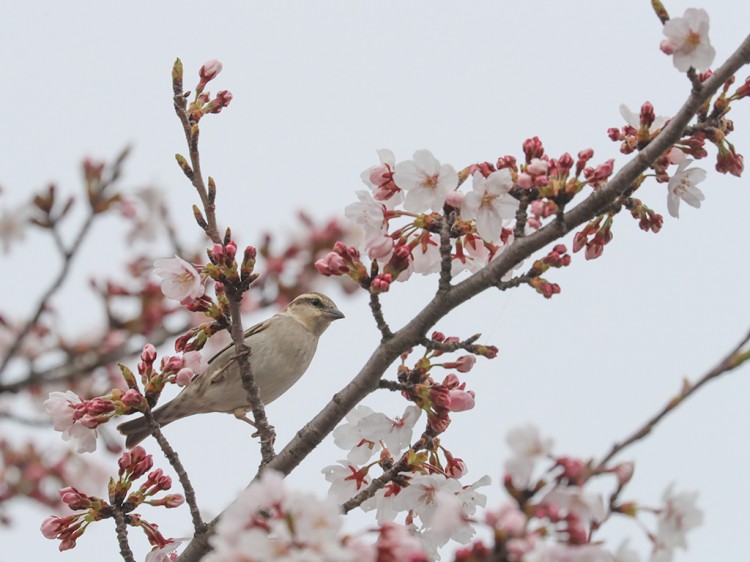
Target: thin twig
242 353
377 314
57 282
451 346
78 365
732 360
122 535
198 524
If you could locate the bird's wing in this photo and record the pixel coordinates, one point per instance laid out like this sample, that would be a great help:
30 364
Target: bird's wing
259 327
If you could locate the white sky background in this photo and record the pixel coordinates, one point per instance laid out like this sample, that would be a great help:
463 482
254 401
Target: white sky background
318 88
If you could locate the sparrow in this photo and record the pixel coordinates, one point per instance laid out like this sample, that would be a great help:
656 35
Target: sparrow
281 349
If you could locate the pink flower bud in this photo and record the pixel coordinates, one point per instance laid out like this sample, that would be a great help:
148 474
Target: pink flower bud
465 363
455 199
461 400
456 468
53 526
525 181
667 47
184 376
99 406
624 472
74 499
149 353
209 70
537 167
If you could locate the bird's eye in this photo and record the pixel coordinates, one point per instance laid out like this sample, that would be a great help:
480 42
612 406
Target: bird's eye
316 302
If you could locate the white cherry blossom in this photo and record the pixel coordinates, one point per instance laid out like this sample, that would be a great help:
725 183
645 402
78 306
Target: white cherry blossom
368 214
396 434
687 39
527 446
344 480
490 203
679 515
380 180
588 506
682 187
421 494
426 182
180 280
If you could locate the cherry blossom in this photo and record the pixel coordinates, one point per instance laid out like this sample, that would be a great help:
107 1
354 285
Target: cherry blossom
278 525
426 182
346 480
380 180
678 516
13 224
687 39
490 203
349 436
421 494
396 434
587 506
682 186
368 214
165 553
180 280
527 446
60 406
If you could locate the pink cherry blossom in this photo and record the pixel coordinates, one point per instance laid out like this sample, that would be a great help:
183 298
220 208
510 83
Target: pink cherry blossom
61 408
682 186
426 182
380 180
687 40
195 361
587 506
165 553
180 280
490 203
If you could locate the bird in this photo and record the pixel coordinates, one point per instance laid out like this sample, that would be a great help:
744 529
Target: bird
281 349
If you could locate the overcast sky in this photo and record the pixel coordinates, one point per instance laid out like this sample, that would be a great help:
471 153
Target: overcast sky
318 88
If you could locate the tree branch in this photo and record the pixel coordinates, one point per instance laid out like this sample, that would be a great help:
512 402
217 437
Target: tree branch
731 361
441 304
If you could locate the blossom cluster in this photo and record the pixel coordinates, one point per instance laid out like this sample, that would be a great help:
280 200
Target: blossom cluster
274 523
426 489
133 465
77 419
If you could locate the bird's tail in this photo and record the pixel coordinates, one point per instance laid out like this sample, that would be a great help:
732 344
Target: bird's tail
137 430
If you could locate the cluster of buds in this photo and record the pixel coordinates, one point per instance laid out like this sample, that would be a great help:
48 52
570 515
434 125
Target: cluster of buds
594 237
222 266
202 104
648 219
47 212
134 464
99 179
176 370
343 260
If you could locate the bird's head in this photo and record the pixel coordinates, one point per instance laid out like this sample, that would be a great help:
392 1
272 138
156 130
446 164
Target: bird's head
314 310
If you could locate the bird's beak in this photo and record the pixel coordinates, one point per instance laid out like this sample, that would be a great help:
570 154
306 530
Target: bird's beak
334 313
